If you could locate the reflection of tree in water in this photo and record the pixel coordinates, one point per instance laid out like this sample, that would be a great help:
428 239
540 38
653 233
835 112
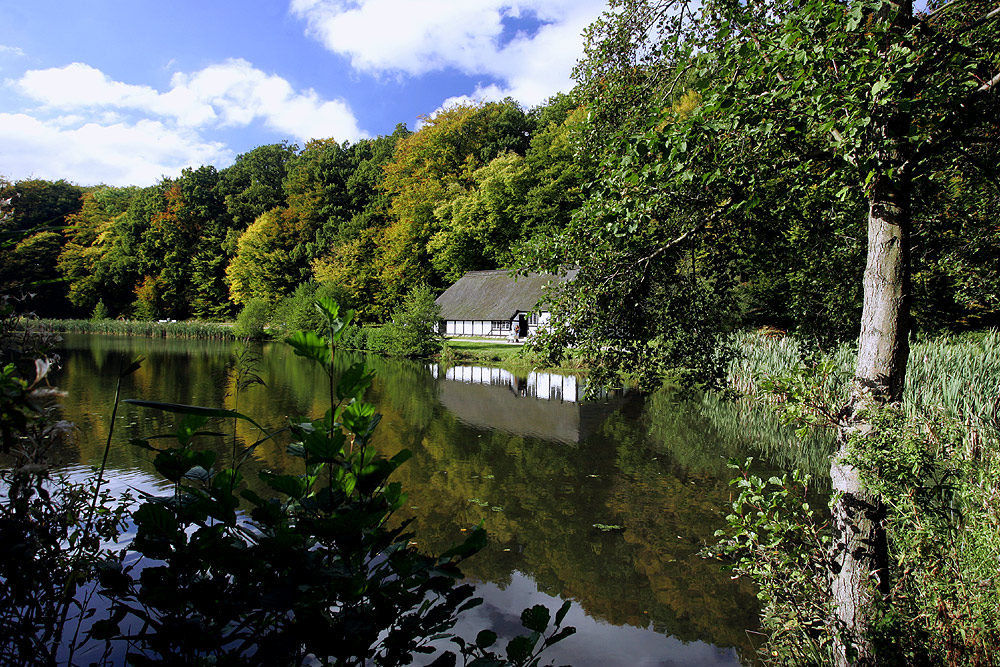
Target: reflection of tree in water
541 500
706 431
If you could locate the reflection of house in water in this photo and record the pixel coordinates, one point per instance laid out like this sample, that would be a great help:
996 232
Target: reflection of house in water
541 405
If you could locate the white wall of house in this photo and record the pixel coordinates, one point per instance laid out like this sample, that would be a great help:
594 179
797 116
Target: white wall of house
491 328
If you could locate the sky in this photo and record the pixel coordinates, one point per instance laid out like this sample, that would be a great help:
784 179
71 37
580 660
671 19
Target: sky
126 92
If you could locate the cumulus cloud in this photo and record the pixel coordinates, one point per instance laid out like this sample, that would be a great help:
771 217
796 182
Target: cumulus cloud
91 128
386 37
230 94
91 153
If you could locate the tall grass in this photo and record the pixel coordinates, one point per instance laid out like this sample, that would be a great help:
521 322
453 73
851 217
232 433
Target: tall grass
188 329
960 375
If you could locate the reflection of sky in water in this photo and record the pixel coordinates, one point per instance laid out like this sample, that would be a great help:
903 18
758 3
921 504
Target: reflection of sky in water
595 643
117 482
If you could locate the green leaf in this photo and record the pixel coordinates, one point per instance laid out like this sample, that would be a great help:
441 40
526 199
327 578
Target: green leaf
199 474
307 344
879 86
323 448
519 649
189 426
536 618
563 610
559 636
292 486
157 519
132 368
328 307
183 409
355 381
105 628
486 638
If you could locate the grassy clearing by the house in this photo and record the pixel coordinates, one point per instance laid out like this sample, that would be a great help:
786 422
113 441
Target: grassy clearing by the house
514 358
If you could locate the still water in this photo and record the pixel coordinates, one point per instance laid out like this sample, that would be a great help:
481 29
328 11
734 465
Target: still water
540 466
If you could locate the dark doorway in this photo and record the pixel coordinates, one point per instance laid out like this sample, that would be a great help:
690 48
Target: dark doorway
522 326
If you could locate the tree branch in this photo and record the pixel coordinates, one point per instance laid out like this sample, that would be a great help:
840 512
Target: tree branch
666 246
988 86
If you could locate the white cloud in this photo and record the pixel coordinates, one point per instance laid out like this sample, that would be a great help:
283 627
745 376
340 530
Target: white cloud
387 37
11 51
231 94
90 153
90 128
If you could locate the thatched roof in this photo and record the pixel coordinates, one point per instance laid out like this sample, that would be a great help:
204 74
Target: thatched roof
496 295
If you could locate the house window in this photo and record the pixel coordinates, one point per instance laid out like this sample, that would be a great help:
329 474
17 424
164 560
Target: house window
501 325
532 319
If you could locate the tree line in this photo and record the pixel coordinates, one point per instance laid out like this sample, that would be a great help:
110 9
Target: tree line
577 181
368 220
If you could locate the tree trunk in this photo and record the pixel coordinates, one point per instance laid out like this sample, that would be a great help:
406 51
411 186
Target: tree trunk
860 551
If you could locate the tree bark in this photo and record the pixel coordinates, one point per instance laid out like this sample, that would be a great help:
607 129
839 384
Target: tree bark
860 550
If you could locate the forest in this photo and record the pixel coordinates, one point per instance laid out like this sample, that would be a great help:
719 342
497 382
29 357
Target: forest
368 221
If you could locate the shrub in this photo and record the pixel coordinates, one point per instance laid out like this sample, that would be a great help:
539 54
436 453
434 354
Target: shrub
100 312
252 320
413 330
296 311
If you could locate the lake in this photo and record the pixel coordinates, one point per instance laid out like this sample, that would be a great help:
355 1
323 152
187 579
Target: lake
548 473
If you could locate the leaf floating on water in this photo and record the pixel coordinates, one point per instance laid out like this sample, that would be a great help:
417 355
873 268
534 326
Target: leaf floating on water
608 527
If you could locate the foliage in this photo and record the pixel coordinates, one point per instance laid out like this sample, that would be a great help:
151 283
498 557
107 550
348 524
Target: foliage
428 169
958 374
298 311
521 650
939 481
940 484
413 331
253 184
776 538
252 320
100 312
747 142
262 264
189 329
53 531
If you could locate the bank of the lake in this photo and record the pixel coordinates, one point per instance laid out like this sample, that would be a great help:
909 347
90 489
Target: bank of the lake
509 356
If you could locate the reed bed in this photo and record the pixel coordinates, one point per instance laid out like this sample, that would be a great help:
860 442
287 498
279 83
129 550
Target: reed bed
186 329
957 374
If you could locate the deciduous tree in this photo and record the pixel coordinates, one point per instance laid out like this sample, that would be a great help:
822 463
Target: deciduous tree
870 102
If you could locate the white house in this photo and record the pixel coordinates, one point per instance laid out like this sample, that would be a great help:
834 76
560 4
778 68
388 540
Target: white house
497 304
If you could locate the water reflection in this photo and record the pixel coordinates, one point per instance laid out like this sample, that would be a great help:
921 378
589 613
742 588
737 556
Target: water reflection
537 384
540 467
543 405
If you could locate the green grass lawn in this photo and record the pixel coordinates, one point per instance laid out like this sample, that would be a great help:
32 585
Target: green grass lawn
514 358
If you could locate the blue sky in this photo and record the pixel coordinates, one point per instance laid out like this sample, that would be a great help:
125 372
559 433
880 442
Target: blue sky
127 91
